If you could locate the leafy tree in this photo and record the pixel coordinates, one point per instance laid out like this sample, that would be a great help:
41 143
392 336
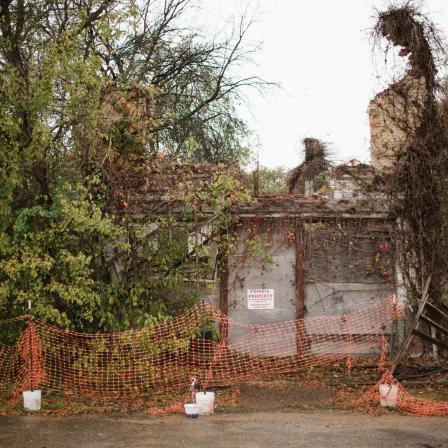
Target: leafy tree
58 61
272 181
51 256
193 90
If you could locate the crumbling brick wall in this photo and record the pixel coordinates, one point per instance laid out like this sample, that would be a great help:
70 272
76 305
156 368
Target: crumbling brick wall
394 115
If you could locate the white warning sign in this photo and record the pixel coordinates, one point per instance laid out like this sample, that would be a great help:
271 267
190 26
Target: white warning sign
260 299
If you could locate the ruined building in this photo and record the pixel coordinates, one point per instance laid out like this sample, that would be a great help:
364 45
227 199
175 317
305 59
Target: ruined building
327 247
332 241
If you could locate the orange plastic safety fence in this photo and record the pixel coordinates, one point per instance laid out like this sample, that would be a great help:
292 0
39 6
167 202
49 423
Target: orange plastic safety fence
202 343
167 355
404 400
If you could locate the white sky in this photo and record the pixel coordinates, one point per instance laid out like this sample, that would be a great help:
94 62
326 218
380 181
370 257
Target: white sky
320 52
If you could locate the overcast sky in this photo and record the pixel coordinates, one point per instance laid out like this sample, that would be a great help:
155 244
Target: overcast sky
320 52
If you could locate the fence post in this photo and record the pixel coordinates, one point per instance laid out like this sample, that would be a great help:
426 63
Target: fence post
30 341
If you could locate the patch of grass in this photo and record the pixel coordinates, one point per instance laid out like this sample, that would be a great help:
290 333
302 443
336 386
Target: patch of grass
11 408
53 405
81 408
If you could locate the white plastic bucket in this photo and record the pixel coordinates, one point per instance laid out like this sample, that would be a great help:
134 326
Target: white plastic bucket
388 395
32 400
205 402
191 410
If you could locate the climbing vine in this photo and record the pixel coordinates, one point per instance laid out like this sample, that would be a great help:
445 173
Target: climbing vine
417 181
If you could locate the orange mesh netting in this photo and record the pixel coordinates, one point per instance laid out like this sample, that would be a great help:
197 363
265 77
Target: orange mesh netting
203 343
404 400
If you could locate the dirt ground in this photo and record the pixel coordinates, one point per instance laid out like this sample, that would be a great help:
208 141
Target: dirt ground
260 397
305 429
329 388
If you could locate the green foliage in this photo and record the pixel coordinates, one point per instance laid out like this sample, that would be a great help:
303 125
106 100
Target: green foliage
49 257
216 135
272 181
81 267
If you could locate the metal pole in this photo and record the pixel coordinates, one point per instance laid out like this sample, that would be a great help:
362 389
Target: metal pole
31 348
